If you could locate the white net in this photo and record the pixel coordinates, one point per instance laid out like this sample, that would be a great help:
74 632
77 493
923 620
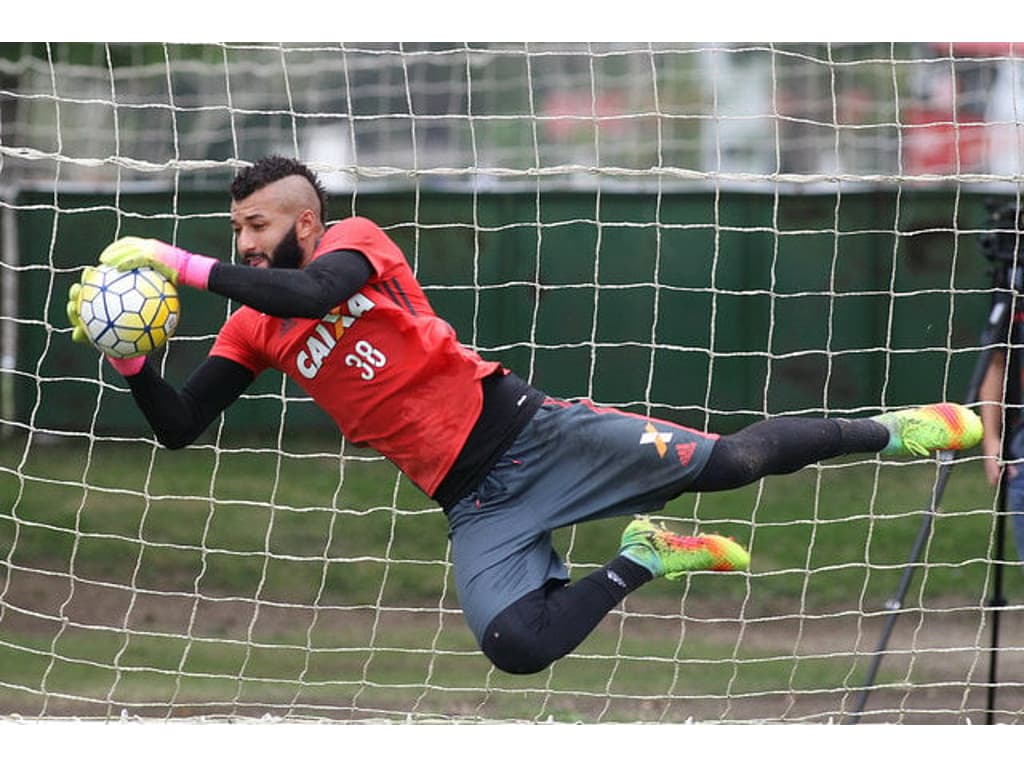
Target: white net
709 233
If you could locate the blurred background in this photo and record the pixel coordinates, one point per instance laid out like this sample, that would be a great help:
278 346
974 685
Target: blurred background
486 113
620 221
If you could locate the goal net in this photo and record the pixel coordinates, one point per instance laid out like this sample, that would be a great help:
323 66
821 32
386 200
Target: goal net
709 233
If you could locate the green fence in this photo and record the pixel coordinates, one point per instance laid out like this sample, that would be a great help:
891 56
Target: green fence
842 302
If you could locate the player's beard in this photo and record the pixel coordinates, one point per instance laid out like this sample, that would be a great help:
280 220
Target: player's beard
287 254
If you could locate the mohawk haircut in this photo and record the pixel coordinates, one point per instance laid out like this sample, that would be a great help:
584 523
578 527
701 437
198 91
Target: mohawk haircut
274 168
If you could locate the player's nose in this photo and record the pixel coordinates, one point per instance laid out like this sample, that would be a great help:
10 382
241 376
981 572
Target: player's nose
245 243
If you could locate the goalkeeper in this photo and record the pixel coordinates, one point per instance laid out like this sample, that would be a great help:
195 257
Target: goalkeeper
339 311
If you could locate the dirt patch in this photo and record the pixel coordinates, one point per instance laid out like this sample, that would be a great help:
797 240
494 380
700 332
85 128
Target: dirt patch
935 668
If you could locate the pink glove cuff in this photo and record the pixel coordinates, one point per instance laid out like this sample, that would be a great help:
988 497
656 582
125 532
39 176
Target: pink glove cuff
127 366
193 269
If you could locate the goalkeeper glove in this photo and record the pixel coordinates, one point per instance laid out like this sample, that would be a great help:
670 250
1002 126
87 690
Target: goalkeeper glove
177 265
126 366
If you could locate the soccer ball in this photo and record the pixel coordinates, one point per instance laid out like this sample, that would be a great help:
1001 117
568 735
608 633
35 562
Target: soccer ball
129 313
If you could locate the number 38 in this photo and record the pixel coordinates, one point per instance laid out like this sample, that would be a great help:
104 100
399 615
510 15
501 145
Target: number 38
367 358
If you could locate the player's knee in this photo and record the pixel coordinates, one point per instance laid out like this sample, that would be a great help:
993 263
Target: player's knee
512 655
732 464
512 647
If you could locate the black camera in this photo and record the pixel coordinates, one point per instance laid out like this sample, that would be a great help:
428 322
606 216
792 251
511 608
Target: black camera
1002 241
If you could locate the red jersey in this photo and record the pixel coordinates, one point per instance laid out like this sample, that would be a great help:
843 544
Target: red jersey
389 371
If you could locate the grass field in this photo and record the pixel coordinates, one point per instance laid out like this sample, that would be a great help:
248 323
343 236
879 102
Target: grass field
245 581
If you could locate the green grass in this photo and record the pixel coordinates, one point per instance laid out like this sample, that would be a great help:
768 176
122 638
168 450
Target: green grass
172 676
195 572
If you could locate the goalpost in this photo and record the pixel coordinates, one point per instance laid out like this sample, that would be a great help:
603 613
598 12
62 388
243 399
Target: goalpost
710 233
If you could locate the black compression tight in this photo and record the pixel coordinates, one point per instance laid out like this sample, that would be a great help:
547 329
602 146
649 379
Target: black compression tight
785 444
548 623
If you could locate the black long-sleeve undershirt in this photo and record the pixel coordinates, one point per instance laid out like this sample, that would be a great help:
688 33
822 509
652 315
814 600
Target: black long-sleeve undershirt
178 418
309 292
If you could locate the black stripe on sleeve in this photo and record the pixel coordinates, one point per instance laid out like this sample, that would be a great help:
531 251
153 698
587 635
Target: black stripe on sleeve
401 292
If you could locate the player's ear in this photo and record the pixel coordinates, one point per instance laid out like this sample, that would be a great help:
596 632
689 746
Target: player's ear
307 224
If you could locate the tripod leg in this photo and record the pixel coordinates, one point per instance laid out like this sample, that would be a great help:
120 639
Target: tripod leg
894 604
997 602
989 340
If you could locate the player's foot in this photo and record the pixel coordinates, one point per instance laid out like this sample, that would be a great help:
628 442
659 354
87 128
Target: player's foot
939 427
668 554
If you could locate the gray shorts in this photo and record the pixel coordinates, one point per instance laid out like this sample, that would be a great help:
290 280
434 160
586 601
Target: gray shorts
573 462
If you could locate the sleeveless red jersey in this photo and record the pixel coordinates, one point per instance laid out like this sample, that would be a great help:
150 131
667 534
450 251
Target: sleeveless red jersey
389 371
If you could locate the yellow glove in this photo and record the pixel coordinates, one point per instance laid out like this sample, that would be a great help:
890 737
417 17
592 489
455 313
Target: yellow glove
128 366
177 265
77 326
133 252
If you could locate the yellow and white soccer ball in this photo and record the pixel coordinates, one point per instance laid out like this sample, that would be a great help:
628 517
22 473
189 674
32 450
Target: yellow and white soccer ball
129 313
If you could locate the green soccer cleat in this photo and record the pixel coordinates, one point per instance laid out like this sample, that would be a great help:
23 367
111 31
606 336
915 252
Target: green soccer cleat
668 554
939 427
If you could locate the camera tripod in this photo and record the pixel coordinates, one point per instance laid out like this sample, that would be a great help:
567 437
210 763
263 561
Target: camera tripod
1001 247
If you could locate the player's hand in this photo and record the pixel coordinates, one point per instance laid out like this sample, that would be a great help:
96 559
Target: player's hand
134 252
77 326
177 265
124 366
994 469
127 366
